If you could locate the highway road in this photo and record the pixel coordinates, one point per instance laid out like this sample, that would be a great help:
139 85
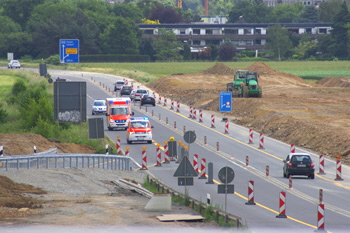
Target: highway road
302 197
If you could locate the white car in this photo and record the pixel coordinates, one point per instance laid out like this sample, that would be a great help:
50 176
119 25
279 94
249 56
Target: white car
139 93
132 94
14 64
99 106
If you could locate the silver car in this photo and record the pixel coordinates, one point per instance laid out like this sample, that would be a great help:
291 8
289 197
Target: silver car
99 106
14 64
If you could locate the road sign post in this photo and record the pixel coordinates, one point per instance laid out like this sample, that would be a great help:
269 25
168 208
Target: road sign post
226 176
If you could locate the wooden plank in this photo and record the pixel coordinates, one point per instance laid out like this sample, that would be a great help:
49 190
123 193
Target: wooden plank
179 217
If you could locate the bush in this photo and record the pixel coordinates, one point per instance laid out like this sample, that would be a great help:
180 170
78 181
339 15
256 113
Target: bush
53 60
3 114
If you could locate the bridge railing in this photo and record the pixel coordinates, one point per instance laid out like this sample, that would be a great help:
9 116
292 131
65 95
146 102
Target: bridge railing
37 161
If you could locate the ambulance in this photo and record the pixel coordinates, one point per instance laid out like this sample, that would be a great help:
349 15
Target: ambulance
118 113
139 130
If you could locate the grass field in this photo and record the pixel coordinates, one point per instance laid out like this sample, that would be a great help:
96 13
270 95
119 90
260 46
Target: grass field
305 69
6 83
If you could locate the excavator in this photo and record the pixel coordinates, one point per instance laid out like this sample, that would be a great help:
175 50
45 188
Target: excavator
245 84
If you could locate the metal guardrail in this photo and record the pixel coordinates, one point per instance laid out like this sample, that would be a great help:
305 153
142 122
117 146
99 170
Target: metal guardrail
113 162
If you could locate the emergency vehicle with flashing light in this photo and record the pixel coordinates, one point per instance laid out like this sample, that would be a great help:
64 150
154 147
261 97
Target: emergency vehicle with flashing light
139 130
118 112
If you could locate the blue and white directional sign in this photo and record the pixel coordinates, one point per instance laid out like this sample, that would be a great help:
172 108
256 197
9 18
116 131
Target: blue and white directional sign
69 51
225 101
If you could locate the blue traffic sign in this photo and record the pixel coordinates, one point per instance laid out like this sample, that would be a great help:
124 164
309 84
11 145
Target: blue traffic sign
225 101
69 51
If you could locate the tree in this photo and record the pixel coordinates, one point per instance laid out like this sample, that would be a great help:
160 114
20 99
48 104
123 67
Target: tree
340 35
278 41
19 43
165 15
7 25
166 46
187 52
286 13
309 15
128 10
146 48
121 37
329 9
227 51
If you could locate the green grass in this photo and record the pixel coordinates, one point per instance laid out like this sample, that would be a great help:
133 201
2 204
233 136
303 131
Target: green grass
6 83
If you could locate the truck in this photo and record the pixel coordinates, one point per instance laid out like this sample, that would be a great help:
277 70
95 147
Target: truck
245 84
118 113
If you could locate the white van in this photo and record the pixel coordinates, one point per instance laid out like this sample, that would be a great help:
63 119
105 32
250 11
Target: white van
118 85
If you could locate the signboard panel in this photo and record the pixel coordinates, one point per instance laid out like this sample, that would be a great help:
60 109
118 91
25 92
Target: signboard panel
96 128
69 101
226 188
69 51
225 101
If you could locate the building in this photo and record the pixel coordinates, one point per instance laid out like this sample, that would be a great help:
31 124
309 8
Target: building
245 36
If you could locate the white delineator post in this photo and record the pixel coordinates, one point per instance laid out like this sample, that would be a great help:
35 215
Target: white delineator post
203 169
250 193
292 148
282 205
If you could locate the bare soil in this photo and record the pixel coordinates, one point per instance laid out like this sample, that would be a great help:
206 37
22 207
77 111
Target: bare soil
314 116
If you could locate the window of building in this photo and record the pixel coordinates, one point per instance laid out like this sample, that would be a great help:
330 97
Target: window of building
258 42
196 31
148 32
208 32
308 31
213 42
247 31
196 42
258 31
182 31
231 31
322 30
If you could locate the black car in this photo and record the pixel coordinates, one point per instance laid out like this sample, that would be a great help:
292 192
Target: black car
125 90
298 164
147 99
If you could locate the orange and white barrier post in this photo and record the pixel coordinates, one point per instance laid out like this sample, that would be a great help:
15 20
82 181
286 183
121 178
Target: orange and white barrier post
321 167
195 162
203 169
178 107
127 151
118 148
290 182
212 121
194 116
247 160
159 156
250 193
250 141
200 116
166 153
226 126
165 101
261 141
292 148
338 167
282 205
191 114
320 217
159 100
144 159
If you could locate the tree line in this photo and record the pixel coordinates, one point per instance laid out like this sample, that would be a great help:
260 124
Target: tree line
32 28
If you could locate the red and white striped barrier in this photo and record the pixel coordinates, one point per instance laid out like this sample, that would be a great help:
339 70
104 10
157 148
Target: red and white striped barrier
212 121
178 107
132 85
200 116
194 116
292 148
203 169
282 205
338 172
217 146
174 124
320 196
159 100
321 167
166 153
195 162
159 156
247 160
165 101
267 170
117 146
144 159
250 193
290 182
226 127
191 112
172 104
250 141
320 217
261 141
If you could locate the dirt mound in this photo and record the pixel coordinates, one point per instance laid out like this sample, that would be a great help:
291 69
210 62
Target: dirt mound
23 144
219 69
261 68
12 194
334 82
